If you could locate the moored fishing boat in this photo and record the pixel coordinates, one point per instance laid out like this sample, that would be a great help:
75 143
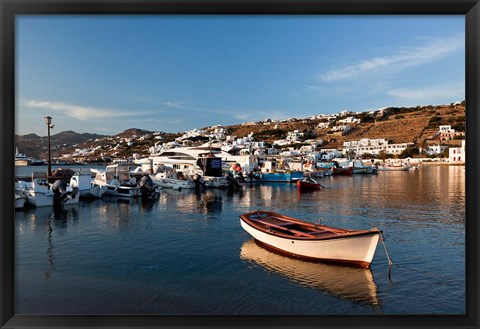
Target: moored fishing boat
308 184
287 176
394 167
277 171
342 170
312 241
359 167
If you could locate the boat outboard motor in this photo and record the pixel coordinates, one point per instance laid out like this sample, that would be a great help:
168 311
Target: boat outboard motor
147 188
232 182
230 179
60 195
197 180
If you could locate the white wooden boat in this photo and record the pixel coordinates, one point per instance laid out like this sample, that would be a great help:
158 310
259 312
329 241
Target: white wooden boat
394 167
116 180
39 192
346 282
311 241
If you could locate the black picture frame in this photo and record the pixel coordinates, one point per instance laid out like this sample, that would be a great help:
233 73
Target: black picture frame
11 8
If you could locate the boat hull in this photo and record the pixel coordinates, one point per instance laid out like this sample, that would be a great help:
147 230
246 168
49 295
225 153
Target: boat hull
362 170
394 168
215 182
22 162
120 190
20 201
343 171
82 180
280 177
39 192
356 250
307 186
176 184
42 199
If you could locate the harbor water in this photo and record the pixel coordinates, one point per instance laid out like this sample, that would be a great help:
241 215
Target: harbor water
186 253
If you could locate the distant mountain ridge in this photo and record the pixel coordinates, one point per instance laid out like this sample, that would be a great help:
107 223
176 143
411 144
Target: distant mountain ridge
34 146
64 137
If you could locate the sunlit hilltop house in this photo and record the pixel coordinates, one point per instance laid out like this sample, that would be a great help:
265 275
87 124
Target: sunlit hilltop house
446 133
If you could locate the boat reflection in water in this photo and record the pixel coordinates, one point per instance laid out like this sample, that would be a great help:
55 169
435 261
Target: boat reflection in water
355 284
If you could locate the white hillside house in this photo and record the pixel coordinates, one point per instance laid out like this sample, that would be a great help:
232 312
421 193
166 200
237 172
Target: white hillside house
456 155
373 146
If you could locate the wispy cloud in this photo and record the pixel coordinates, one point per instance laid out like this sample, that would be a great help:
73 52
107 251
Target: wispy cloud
177 105
404 58
77 111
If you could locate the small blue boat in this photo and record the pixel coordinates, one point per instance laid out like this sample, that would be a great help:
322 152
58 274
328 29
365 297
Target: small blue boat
280 176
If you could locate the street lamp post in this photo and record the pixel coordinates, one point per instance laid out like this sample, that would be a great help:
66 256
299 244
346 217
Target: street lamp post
48 121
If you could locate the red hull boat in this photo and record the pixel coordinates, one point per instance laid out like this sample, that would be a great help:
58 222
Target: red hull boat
342 171
308 184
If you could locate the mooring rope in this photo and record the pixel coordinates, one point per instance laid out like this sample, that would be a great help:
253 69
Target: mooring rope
390 263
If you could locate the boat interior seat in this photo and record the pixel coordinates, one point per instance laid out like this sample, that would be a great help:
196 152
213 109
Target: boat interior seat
286 224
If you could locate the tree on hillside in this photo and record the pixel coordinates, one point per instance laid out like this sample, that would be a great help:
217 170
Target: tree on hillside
409 152
309 134
383 155
445 153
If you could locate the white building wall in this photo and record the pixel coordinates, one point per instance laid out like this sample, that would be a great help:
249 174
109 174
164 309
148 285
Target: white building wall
446 129
456 155
435 149
373 146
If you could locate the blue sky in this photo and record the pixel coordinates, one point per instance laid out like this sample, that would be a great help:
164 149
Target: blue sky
105 74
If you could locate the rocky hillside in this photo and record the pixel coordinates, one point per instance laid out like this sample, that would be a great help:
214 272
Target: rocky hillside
399 125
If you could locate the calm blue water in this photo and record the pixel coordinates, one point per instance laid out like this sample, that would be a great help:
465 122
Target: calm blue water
187 254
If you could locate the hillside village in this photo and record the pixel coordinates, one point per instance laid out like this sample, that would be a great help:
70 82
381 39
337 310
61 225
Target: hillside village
422 131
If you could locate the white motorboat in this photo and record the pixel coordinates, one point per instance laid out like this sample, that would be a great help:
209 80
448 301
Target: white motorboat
202 160
359 167
20 201
170 178
21 159
39 192
82 179
116 180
